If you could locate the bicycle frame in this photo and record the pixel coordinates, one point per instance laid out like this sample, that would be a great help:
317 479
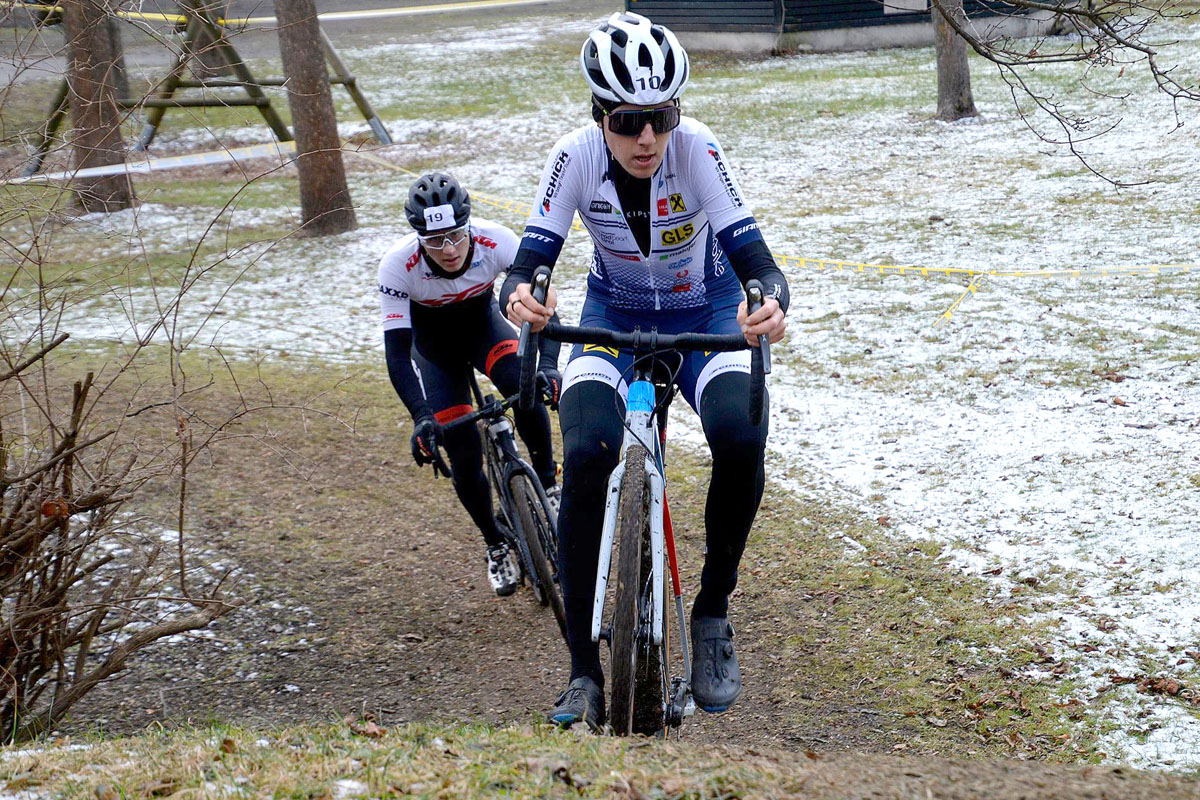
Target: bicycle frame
500 434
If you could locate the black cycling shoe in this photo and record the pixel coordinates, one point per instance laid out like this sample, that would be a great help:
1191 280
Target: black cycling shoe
716 679
582 701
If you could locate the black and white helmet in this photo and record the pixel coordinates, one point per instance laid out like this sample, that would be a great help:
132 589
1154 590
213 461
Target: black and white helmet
628 59
437 202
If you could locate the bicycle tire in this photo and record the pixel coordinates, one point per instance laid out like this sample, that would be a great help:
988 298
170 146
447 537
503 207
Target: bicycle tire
537 530
636 695
494 474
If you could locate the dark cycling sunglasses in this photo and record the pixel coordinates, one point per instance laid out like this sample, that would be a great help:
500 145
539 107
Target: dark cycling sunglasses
632 123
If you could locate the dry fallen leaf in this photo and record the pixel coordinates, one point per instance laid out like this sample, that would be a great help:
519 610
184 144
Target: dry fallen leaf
367 728
57 508
1119 402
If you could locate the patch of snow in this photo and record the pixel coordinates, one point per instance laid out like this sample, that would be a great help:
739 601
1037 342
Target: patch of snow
349 788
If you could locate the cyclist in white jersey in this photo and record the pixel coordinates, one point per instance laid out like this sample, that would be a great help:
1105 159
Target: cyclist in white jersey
440 311
674 241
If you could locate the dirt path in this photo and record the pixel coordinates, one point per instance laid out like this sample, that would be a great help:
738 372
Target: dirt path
366 593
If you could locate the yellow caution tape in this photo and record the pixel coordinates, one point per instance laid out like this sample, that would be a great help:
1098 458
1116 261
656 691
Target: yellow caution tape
287 149
836 265
823 264
971 289
330 16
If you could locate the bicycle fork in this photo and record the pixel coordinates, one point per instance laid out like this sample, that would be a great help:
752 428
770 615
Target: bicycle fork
639 416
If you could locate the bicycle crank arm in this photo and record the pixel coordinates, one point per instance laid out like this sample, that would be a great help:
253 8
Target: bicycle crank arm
681 705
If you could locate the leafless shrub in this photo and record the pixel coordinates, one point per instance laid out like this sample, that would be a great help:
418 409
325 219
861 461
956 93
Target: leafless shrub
84 581
92 427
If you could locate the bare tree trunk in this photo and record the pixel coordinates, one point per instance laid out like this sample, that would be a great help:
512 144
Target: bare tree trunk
92 75
116 53
325 203
955 100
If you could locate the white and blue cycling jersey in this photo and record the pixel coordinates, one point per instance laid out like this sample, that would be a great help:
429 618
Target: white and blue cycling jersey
697 216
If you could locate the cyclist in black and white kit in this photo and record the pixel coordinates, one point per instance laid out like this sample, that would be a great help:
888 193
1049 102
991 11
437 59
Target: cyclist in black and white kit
440 311
674 242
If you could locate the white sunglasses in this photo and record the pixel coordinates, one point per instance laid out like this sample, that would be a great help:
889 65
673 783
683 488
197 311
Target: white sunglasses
439 241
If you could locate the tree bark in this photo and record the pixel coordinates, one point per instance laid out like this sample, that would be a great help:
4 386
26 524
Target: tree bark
955 100
95 58
325 204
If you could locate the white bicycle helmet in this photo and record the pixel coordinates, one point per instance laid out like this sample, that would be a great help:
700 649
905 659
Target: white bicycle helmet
628 59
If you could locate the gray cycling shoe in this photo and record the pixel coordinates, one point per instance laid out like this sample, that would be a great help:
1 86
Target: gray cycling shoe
716 679
583 701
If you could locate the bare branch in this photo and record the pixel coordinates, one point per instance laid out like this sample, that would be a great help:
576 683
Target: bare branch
36 357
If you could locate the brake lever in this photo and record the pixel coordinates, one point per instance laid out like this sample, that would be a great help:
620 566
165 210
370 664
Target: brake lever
526 349
754 301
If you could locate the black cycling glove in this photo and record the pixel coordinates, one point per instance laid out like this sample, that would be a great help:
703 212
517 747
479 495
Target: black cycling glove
549 383
425 440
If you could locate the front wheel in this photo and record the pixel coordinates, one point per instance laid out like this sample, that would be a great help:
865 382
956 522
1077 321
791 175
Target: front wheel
539 534
637 666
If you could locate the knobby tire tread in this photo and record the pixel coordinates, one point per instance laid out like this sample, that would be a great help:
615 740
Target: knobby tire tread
636 695
534 520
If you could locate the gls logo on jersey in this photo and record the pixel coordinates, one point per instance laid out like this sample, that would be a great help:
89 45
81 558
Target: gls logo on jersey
728 181
678 235
556 172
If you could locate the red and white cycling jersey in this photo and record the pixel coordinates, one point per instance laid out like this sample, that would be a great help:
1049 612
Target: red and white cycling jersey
406 278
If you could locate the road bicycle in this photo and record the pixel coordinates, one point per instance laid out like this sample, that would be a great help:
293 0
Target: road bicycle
529 522
645 697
